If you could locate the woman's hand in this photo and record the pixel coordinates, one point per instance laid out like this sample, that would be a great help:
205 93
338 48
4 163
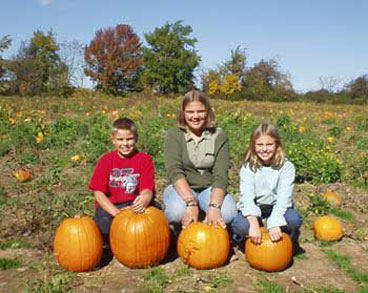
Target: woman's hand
213 217
190 215
141 202
275 234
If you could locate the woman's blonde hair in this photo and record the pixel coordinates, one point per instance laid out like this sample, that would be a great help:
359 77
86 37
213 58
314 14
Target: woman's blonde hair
251 157
196 96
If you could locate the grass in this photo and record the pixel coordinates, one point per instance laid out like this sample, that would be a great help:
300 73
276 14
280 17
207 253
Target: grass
13 243
265 286
9 263
342 214
344 263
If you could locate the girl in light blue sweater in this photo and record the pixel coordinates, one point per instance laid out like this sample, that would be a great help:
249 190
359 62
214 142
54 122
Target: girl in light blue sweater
266 189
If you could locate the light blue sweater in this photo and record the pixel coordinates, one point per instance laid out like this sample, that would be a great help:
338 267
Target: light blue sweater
267 185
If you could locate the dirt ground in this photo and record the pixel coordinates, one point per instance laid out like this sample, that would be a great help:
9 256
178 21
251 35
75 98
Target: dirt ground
310 269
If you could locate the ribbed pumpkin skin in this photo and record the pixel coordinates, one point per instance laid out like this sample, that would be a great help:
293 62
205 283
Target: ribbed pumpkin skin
202 246
139 240
269 256
327 228
332 197
78 244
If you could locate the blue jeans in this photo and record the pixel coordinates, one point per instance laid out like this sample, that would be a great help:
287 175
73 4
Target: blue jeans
175 205
240 225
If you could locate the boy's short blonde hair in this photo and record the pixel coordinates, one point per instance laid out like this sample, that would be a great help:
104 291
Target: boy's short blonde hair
124 124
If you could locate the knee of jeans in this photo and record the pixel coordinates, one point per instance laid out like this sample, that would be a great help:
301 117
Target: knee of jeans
240 225
294 222
174 212
228 211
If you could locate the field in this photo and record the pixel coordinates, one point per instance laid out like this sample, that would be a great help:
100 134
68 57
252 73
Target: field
59 140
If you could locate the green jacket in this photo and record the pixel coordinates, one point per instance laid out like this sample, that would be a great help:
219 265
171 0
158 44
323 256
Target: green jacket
178 164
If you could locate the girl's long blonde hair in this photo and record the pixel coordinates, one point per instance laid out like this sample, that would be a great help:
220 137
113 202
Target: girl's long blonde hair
251 157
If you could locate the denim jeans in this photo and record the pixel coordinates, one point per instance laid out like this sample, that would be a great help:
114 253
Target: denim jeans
240 225
175 205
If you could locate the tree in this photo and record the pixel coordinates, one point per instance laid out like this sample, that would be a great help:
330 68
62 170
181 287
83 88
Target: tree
358 88
37 68
5 42
330 83
114 59
264 80
170 58
236 64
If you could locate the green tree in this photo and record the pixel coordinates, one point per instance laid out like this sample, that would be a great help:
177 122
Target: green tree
236 65
358 89
170 58
5 42
264 81
37 68
114 59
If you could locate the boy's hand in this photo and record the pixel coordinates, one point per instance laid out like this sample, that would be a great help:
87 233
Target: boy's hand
275 234
213 217
141 202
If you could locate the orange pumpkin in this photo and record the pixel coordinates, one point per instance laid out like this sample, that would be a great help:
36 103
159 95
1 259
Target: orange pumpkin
332 197
78 244
22 175
139 240
269 256
327 228
203 246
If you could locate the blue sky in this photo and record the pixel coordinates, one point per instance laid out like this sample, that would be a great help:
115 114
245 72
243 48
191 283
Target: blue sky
310 39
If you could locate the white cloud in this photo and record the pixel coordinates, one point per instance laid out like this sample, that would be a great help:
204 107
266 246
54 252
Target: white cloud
45 2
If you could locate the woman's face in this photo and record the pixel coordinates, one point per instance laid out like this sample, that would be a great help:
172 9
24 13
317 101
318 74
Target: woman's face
195 116
265 147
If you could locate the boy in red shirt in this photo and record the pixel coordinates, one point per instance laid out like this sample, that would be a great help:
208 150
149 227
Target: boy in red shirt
123 177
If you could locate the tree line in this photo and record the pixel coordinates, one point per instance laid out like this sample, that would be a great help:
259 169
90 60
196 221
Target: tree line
118 64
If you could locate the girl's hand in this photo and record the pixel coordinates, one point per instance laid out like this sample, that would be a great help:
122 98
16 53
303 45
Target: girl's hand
190 215
275 234
213 217
141 202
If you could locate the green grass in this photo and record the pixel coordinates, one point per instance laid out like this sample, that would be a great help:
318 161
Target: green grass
344 263
265 286
9 263
342 214
13 243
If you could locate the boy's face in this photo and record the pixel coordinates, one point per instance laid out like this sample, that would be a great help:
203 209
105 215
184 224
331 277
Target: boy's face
124 142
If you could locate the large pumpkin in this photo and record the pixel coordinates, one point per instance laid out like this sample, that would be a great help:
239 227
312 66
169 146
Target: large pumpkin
269 256
203 246
78 244
327 228
139 240
332 197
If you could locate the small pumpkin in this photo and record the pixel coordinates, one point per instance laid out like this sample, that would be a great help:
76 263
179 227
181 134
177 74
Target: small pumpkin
22 175
203 246
78 244
269 256
139 240
327 228
332 197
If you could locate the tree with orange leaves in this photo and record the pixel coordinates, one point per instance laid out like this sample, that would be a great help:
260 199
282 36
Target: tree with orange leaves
114 59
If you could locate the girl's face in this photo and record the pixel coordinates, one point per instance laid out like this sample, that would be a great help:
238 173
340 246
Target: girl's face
265 147
195 116
124 142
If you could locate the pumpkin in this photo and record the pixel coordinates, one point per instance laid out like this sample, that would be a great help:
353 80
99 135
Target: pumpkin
139 240
22 175
203 246
332 197
327 228
78 244
268 255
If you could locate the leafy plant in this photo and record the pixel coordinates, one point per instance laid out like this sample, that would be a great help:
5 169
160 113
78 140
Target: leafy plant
9 263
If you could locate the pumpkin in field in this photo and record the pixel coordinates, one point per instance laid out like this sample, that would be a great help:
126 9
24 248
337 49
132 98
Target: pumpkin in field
139 240
78 244
269 256
332 197
203 246
327 228
22 175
